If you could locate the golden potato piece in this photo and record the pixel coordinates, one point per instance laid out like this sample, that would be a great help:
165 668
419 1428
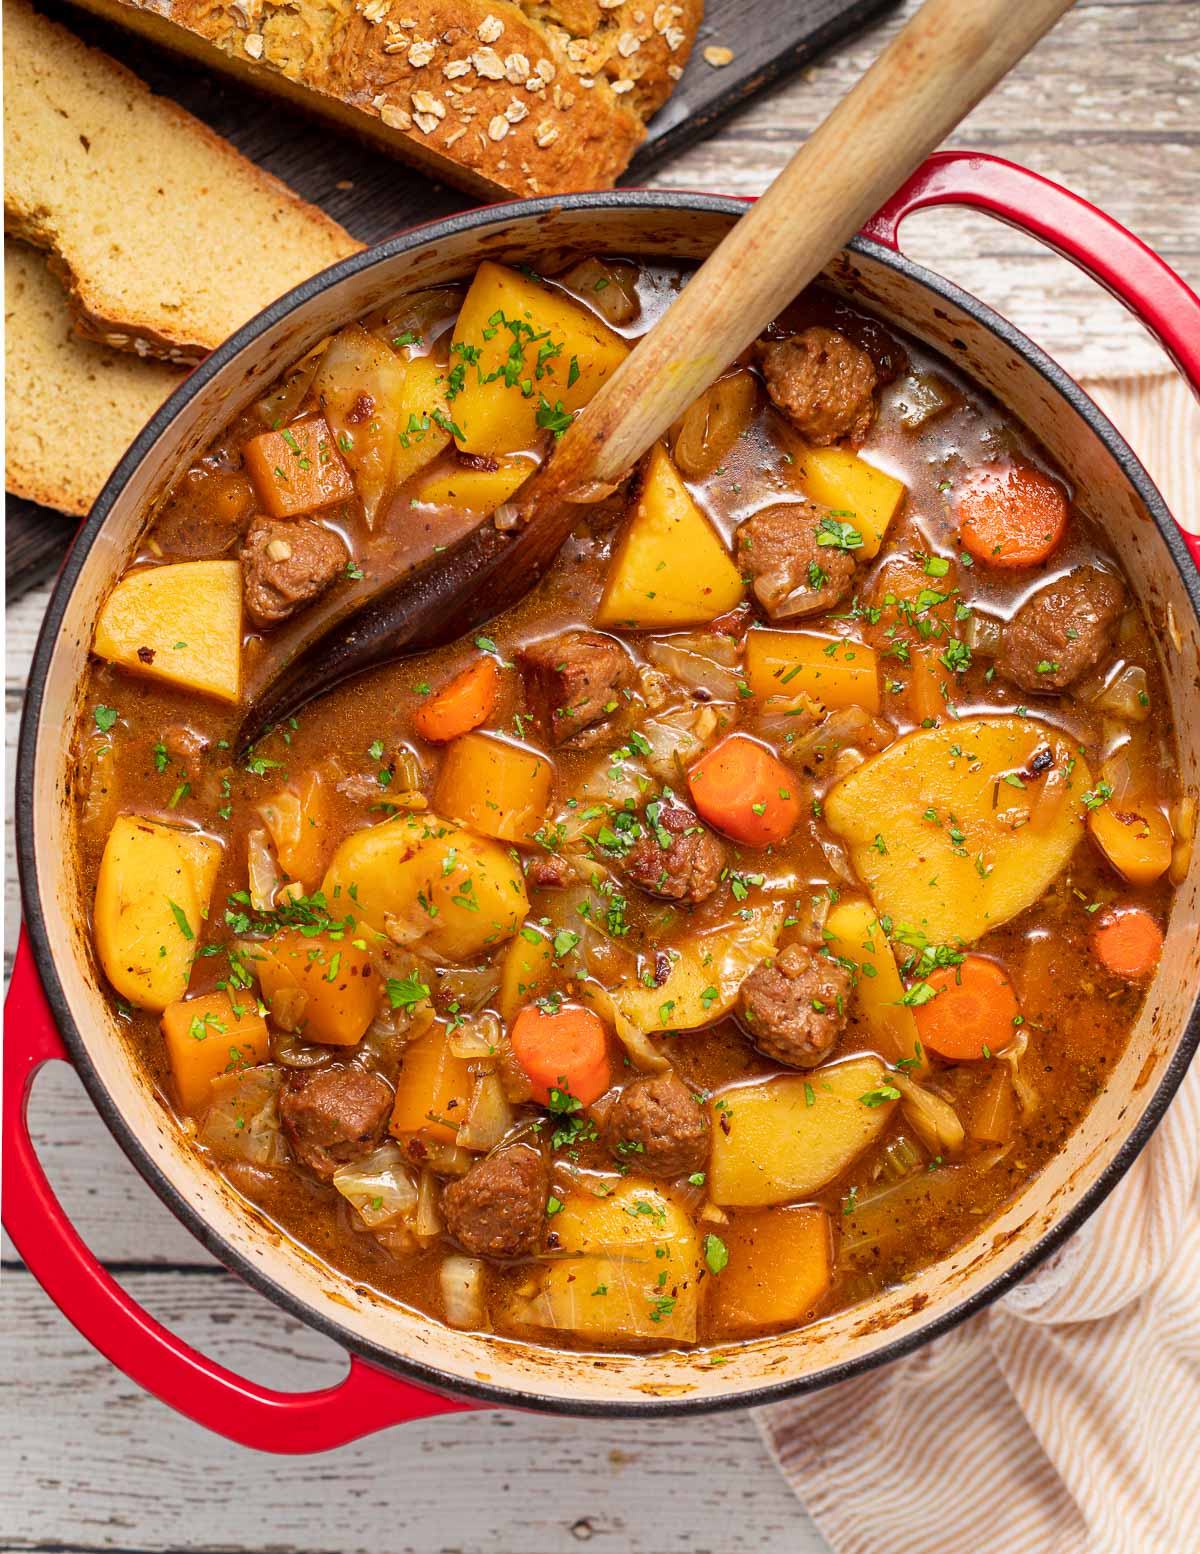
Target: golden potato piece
867 497
956 829
210 1036
180 623
525 349
495 787
785 1138
835 671
459 893
853 933
152 896
670 567
780 1265
473 490
627 1268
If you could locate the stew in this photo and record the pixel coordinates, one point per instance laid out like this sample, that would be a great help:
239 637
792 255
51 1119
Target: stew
724 934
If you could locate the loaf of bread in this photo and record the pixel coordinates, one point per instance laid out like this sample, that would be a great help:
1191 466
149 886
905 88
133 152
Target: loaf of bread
72 406
165 237
501 97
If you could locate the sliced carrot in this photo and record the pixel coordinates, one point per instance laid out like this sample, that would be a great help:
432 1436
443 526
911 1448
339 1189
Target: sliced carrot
740 788
972 1013
1012 516
461 705
565 1050
1128 942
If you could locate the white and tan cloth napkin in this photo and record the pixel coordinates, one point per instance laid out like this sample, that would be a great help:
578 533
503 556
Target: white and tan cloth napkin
1066 1418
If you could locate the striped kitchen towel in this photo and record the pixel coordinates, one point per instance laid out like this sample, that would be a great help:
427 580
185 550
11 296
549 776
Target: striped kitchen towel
1064 1419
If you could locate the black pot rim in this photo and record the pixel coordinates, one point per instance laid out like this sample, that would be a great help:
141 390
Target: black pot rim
384 1359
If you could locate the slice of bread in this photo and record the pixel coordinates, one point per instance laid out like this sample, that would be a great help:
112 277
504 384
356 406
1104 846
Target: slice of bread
165 237
501 97
71 407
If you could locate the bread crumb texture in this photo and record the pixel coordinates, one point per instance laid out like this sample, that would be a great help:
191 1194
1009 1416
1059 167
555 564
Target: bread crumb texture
501 96
166 239
72 406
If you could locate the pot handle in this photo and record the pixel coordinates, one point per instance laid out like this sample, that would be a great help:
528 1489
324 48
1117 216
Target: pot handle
367 1400
1100 246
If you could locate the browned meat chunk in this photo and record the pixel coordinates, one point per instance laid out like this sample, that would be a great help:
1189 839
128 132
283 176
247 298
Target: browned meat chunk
793 573
334 1115
499 1208
823 383
575 681
795 1005
1062 631
286 566
547 871
656 1126
676 857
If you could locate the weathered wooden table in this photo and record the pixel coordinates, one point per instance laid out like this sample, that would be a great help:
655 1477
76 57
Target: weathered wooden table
1110 105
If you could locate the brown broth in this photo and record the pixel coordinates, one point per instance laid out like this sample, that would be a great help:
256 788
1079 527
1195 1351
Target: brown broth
1077 1016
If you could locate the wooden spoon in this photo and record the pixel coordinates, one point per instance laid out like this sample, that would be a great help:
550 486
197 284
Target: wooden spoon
948 56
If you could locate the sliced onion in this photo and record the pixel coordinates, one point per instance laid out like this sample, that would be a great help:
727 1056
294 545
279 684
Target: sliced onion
1182 816
711 424
477 1038
280 403
489 1116
932 1119
427 1218
609 288
701 664
846 728
242 1123
1027 1096
922 396
470 987
673 744
461 1280
641 1049
265 878
1127 694
380 1186
288 1048
983 634
445 1159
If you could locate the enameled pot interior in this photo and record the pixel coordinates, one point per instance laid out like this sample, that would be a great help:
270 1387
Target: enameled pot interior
1110 487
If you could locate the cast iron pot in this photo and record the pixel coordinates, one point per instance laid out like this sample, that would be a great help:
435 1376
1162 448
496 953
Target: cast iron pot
404 1366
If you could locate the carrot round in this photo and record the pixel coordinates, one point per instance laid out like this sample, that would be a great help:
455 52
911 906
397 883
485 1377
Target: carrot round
740 788
1012 516
566 1050
461 705
974 1009
1128 942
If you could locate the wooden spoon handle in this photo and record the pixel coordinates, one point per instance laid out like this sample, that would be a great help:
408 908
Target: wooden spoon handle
937 68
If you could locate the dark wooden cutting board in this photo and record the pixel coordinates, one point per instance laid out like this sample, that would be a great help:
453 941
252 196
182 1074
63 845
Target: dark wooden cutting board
374 196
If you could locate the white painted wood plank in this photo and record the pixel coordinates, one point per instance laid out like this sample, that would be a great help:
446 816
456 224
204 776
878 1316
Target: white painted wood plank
97 1464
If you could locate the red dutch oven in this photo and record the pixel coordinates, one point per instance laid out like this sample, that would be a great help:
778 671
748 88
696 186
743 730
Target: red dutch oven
404 1366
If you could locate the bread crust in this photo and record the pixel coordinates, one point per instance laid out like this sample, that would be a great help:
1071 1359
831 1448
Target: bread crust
500 97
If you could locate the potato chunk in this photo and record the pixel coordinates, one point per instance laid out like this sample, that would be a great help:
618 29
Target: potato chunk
152 897
784 1138
473 490
835 671
780 1265
954 830
428 879
422 419
297 469
523 347
865 496
607 1281
210 1036
495 787
432 1090
649 586
526 971
180 623
853 933
331 989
